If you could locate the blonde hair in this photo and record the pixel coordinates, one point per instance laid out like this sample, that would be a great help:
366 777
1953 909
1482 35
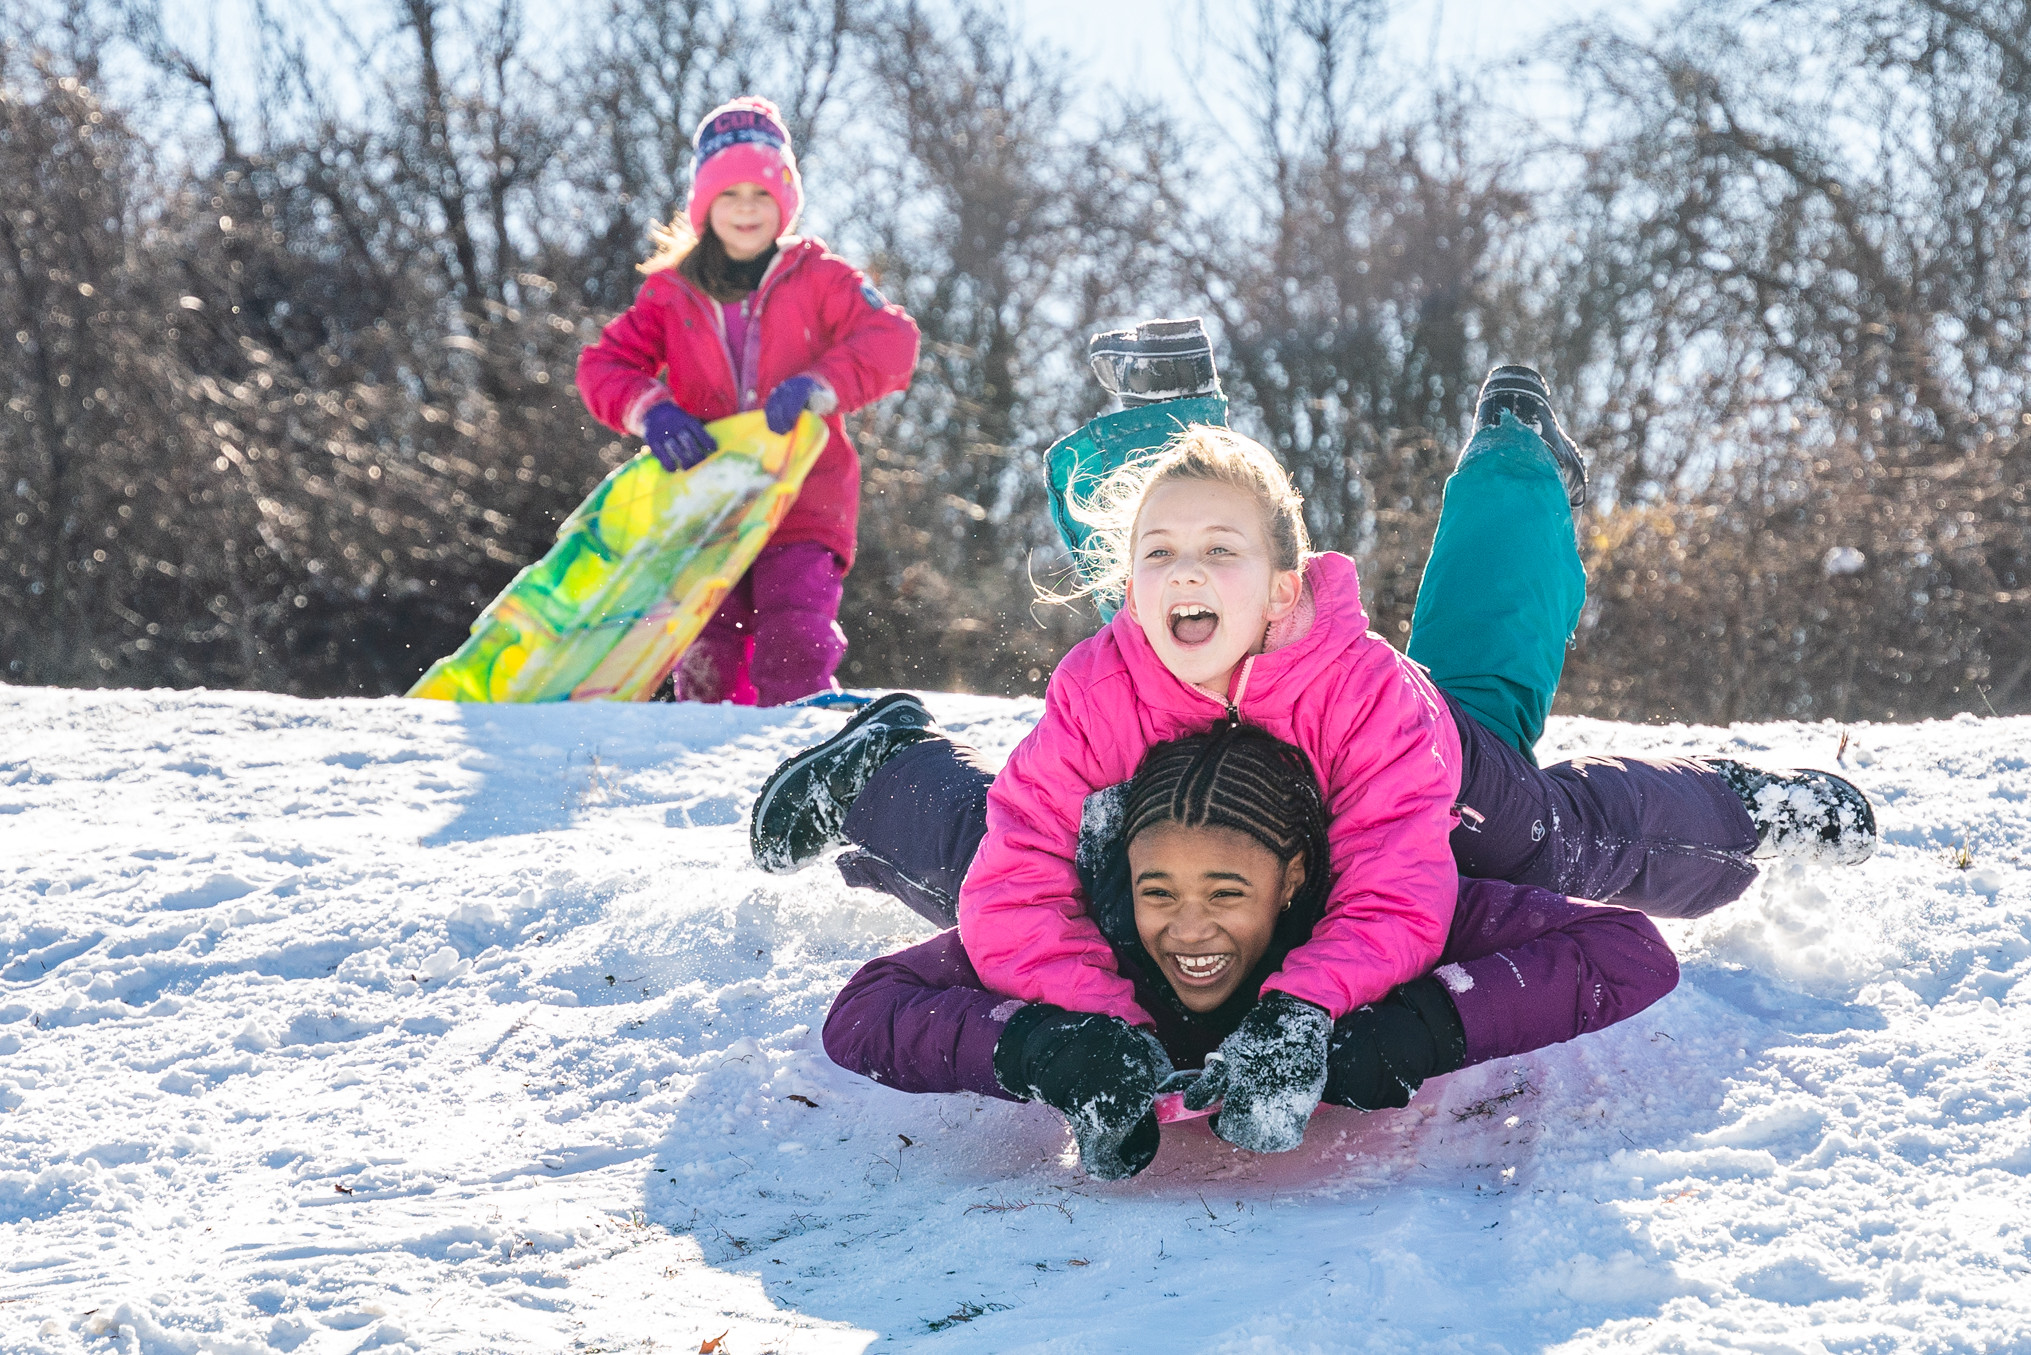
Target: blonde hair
674 242
1204 453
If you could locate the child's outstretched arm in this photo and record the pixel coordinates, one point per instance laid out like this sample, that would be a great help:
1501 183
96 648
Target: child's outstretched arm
623 381
920 1021
1390 794
1527 968
619 376
1524 969
1021 912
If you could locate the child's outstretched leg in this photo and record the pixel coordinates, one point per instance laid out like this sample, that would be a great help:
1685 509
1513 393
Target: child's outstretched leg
801 811
1665 835
1503 588
1500 597
916 825
911 803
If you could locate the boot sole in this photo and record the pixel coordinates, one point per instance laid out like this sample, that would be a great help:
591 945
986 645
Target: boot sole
765 798
1517 380
1858 839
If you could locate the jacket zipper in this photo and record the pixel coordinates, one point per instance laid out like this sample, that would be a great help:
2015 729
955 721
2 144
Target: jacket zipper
1238 689
725 347
780 268
776 272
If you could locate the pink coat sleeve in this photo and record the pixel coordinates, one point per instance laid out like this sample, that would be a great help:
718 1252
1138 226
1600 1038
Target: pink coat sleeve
1022 917
1390 795
619 377
874 347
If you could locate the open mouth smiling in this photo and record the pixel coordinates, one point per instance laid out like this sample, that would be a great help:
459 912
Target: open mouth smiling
1202 969
1193 623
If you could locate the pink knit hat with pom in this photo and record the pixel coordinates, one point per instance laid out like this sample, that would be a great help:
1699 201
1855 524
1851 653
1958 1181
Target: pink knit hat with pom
745 142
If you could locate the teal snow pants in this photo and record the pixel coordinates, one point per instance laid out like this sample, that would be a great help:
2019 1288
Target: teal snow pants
1503 589
1080 462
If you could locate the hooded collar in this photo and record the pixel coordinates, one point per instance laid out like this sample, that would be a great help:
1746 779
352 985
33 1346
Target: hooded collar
791 252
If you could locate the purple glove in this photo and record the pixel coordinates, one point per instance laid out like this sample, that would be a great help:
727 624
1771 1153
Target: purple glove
678 440
793 397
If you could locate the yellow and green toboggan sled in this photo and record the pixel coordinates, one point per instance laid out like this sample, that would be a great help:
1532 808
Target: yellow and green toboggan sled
637 571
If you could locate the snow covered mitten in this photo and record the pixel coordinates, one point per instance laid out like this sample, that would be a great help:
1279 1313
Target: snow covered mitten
1097 1071
1381 1054
1803 815
1270 1073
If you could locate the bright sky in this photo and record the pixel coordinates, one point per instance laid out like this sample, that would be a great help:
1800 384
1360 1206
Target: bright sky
1150 45
1177 44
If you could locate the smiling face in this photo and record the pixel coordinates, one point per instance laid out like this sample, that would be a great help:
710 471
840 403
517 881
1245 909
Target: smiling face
1205 586
1206 905
746 220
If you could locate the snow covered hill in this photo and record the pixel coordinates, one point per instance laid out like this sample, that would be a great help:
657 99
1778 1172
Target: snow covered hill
385 1025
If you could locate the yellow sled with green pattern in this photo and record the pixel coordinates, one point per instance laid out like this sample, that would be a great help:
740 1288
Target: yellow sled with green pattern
637 571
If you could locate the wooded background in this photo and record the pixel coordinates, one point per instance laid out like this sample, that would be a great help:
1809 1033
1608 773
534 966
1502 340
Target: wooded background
288 379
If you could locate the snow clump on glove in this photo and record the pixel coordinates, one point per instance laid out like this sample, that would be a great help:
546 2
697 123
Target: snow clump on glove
1269 1073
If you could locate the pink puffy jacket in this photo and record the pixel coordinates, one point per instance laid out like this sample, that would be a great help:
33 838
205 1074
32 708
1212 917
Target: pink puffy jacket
1388 757
814 312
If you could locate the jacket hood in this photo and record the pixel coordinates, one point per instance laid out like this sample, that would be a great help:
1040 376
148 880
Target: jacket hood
1270 684
791 252
1187 1035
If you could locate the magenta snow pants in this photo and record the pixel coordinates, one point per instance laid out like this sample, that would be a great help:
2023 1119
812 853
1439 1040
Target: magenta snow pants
777 635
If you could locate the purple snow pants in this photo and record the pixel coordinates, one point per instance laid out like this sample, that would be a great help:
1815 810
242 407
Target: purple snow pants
777 635
1663 835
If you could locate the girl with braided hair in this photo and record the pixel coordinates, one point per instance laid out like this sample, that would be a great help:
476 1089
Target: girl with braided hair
1203 873
1424 761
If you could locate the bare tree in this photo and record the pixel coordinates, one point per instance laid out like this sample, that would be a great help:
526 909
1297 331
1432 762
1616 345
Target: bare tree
1824 290
1010 233
1364 302
290 395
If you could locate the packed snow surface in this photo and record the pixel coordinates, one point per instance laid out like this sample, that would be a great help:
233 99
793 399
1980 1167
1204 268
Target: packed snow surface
387 1025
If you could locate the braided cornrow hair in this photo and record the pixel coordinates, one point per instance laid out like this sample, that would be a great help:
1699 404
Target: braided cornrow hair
1240 777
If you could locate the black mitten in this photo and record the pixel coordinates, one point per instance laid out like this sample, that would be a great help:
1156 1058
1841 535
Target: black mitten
1382 1053
1099 1072
1269 1073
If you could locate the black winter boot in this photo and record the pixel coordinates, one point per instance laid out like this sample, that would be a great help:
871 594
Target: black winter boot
803 806
1522 392
1803 815
1157 360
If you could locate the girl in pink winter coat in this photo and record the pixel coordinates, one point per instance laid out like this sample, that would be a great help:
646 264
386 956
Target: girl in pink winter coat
739 314
1227 616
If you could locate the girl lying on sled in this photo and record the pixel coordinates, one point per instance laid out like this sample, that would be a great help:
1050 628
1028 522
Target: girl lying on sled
1422 767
